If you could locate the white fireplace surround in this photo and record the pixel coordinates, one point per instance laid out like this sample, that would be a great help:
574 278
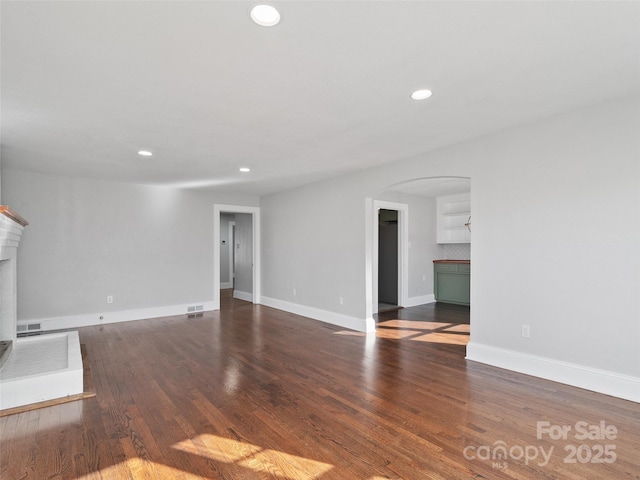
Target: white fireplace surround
40 368
10 235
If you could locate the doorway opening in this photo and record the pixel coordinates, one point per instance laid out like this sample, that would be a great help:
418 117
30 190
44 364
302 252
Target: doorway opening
423 195
236 250
236 255
390 223
388 253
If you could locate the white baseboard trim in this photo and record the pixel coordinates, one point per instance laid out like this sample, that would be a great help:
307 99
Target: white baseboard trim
76 321
352 323
601 381
225 285
247 297
421 300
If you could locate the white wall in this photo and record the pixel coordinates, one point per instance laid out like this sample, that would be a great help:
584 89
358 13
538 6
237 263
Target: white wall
314 239
312 243
556 243
148 247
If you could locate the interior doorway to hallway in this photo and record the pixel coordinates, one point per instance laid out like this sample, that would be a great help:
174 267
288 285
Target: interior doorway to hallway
236 252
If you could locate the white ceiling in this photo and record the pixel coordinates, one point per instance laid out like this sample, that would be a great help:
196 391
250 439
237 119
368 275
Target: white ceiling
85 85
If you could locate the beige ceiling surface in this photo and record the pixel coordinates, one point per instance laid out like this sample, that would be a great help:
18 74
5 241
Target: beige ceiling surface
85 85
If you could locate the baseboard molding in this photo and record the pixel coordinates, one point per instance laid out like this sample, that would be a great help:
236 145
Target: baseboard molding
601 381
225 285
421 300
240 295
76 321
352 323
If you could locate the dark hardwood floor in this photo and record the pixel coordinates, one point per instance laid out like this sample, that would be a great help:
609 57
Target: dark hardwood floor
255 393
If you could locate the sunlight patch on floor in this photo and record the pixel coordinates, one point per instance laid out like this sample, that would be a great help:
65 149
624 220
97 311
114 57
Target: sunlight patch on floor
139 468
431 332
393 334
267 462
380 333
462 328
416 324
279 464
439 337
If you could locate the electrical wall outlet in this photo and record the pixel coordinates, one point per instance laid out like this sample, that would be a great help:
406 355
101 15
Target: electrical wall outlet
109 298
526 331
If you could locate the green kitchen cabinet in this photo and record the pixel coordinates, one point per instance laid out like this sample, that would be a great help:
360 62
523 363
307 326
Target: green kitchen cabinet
452 282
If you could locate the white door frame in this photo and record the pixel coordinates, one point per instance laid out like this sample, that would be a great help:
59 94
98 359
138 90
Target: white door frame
232 254
372 253
255 215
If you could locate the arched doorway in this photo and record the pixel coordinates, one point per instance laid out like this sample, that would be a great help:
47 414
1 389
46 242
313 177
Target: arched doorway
415 268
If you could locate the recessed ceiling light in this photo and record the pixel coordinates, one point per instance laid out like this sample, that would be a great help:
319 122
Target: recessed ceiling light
245 169
265 15
145 153
421 94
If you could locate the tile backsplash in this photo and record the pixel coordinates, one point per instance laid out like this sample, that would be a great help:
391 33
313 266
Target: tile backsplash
457 251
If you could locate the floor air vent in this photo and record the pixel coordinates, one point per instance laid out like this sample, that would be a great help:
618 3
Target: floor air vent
195 309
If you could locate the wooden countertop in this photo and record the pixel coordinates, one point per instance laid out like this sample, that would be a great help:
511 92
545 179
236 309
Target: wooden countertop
466 262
